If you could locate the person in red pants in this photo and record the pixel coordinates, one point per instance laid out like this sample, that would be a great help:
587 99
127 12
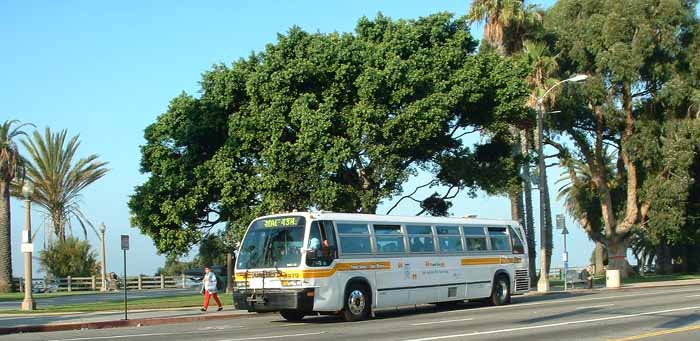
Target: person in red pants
209 289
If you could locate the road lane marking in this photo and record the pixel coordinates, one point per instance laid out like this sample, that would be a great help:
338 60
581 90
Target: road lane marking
551 325
436 322
595 306
693 296
659 333
272 336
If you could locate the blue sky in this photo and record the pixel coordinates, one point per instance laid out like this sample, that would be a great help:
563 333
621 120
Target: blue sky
106 71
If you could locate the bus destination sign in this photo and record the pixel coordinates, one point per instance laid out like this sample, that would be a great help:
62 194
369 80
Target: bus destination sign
281 222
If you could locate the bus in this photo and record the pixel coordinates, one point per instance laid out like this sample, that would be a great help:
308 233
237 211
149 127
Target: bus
322 263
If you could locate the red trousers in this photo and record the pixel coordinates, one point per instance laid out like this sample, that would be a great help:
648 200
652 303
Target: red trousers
208 295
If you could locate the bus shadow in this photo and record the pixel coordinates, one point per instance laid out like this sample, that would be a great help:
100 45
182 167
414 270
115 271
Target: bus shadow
398 312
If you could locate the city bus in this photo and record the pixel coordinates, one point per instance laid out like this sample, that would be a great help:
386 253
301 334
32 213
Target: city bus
311 263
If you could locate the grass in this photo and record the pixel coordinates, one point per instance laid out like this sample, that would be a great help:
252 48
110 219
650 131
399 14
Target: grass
19 296
183 301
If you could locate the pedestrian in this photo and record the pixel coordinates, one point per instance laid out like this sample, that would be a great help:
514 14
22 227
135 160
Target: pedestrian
209 288
589 275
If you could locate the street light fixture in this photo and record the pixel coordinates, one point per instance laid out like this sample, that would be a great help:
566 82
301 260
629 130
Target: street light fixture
543 282
28 303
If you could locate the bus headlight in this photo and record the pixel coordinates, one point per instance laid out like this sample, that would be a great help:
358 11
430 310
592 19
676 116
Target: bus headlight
241 284
291 282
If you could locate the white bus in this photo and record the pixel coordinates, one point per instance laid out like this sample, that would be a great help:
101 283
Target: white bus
308 263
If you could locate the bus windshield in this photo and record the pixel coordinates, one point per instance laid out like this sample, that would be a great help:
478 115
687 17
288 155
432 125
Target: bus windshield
273 243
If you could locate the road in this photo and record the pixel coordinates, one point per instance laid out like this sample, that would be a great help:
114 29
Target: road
671 313
98 297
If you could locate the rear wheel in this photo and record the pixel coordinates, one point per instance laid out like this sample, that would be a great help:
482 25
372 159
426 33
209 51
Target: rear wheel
357 303
292 315
500 292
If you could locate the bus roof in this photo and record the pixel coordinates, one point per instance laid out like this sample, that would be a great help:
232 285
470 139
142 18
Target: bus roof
325 215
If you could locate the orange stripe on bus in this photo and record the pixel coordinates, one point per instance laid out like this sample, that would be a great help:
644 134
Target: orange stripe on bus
321 273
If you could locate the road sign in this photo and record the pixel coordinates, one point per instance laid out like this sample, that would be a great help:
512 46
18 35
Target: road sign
566 256
561 223
125 242
565 231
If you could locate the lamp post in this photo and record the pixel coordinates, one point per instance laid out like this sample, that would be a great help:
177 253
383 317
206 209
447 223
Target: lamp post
543 282
103 273
28 303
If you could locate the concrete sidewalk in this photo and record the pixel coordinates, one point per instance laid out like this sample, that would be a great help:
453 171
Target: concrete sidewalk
17 323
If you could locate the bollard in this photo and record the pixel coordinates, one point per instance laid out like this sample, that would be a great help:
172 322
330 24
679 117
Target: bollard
183 281
162 281
94 283
138 282
70 283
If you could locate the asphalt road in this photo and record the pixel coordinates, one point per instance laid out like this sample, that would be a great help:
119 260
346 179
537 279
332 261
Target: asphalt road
671 313
98 297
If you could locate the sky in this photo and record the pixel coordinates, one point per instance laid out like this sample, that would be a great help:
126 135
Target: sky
105 71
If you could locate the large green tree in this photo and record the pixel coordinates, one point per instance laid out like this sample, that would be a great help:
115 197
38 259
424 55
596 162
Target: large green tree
631 50
59 177
10 165
320 121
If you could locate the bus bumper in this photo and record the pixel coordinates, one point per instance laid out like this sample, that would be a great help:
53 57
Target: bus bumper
274 299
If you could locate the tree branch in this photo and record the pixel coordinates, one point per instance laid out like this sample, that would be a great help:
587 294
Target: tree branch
410 196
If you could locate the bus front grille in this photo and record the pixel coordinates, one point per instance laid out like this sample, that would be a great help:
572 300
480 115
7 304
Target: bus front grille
522 280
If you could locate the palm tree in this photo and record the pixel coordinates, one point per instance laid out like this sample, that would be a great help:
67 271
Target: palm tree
10 166
542 65
58 180
508 23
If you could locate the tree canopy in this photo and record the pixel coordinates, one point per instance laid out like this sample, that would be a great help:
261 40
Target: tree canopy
333 121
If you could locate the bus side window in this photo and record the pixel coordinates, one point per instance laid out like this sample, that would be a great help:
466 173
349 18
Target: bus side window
322 249
330 242
517 242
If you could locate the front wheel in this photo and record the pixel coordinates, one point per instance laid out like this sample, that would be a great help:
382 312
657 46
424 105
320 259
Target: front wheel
292 315
357 303
500 293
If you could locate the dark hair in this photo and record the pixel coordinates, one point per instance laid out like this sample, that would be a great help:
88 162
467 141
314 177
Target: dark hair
207 266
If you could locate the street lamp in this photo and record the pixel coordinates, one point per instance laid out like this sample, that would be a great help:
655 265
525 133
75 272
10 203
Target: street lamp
28 303
543 282
103 228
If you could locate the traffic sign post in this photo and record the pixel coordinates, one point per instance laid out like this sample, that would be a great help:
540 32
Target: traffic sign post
125 246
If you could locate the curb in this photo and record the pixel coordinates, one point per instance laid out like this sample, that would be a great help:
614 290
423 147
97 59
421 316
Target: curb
116 323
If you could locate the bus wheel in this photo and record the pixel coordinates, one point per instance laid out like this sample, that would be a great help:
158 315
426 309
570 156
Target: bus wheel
500 293
357 303
292 315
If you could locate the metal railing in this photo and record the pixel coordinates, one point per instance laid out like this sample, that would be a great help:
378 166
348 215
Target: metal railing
94 283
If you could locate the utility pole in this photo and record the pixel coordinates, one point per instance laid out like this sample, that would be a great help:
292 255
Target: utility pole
125 246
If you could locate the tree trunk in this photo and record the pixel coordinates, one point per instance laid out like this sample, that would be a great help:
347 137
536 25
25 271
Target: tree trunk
663 259
599 258
5 238
617 258
529 223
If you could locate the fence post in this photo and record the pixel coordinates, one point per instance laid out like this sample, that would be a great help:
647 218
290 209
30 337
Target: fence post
183 281
162 281
93 283
138 282
68 279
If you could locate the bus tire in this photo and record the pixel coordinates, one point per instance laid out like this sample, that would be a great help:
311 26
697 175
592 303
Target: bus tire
500 291
292 315
357 303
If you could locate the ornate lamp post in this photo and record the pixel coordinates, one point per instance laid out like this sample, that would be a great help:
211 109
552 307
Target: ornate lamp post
543 283
28 303
103 228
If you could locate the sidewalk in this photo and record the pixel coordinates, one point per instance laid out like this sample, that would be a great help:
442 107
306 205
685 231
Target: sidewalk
16 323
